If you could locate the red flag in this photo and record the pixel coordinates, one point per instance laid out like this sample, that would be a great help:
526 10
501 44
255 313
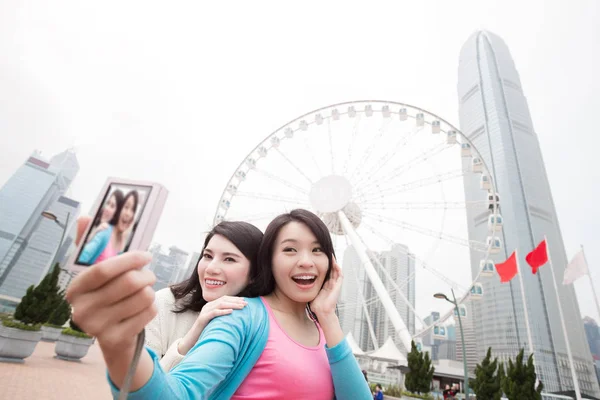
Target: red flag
508 269
538 257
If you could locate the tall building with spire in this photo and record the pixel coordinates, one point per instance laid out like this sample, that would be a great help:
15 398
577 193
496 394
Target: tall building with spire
29 242
495 116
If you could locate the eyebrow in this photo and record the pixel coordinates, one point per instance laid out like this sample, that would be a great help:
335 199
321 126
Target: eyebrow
296 241
226 254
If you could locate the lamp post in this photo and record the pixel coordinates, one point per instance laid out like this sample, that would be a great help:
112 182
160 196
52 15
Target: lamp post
462 336
52 217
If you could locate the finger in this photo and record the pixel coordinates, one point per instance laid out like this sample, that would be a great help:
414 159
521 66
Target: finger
126 330
121 287
234 299
82 224
102 273
227 305
95 320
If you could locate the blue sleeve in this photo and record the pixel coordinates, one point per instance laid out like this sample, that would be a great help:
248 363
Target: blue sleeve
379 396
348 381
205 366
95 247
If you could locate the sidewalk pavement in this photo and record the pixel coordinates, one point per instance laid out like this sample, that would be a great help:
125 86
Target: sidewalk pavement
43 377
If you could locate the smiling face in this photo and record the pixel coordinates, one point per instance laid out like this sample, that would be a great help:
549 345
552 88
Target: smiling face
109 210
299 263
127 214
223 270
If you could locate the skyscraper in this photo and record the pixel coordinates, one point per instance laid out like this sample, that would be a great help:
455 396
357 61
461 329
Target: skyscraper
494 115
28 241
355 317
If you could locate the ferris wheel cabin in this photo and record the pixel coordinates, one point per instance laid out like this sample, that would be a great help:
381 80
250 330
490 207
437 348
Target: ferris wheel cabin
463 311
465 150
435 127
485 182
495 244
451 137
439 332
477 164
495 222
487 268
477 291
420 119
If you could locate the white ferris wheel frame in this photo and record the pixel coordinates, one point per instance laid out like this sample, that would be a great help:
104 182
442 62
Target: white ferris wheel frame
302 123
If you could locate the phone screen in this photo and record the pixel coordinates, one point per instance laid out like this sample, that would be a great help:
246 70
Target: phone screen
115 223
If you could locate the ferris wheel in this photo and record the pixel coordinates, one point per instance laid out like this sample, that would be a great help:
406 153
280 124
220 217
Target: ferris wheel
384 177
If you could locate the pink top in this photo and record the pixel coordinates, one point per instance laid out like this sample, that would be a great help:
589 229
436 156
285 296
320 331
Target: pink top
288 370
109 251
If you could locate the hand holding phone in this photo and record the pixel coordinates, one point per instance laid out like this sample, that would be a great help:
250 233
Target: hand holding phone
112 296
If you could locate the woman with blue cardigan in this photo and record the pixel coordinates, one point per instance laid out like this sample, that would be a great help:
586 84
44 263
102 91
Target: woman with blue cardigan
286 344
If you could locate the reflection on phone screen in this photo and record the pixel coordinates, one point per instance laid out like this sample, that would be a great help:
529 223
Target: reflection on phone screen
115 223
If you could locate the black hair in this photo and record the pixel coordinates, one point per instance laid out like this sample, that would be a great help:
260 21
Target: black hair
246 237
120 200
136 199
263 280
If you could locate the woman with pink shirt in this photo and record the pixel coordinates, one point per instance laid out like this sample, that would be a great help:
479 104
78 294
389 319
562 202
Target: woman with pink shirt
111 241
286 344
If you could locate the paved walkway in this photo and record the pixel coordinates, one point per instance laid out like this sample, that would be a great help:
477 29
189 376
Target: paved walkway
43 377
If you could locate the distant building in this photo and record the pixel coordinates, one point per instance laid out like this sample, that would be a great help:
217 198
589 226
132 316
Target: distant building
166 267
29 242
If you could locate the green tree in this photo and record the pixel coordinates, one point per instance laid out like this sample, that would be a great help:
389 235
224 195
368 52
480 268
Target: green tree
520 380
426 374
487 383
39 301
61 313
418 379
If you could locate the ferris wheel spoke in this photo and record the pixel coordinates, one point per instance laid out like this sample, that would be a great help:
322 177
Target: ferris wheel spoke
390 155
312 155
473 244
294 166
369 150
417 184
417 261
416 161
268 197
373 299
330 146
352 141
397 288
282 181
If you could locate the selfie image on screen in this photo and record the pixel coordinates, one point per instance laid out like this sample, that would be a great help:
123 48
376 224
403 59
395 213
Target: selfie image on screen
114 224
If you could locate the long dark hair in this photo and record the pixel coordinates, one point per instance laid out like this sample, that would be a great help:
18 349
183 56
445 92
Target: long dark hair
246 237
119 200
262 279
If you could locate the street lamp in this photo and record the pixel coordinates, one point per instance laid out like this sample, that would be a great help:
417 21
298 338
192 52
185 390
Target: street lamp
53 217
442 296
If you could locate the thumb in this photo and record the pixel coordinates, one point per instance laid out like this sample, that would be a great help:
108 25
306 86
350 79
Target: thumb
82 224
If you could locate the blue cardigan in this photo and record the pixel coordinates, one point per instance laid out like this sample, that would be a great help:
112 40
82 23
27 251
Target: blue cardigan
226 352
95 247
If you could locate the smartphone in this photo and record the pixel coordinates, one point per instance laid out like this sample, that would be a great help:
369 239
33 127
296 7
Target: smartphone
125 216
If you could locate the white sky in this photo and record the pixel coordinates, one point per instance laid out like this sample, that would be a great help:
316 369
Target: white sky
179 93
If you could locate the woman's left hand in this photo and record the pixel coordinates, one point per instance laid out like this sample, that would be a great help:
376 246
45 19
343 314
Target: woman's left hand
325 302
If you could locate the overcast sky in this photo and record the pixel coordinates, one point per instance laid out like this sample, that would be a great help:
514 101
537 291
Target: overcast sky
180 92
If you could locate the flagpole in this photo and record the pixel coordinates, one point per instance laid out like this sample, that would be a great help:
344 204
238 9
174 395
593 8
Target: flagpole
524 305
591 282
562 322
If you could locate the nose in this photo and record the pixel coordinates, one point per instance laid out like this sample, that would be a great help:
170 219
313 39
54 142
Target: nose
306 260
213 268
